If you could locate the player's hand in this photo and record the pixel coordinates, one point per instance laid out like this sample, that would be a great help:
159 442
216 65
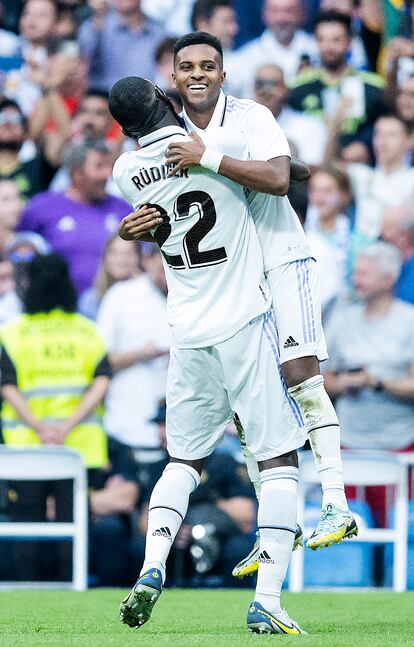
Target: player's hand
138 223
185 154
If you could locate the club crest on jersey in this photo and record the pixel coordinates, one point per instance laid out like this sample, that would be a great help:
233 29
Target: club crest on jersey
146 176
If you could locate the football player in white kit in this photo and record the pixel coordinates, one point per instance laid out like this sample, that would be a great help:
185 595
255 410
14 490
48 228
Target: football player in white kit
223 357
289 268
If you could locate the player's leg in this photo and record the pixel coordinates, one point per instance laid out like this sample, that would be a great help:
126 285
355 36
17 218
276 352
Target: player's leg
197 414
251 374
167 508
276 521
249 564
299 333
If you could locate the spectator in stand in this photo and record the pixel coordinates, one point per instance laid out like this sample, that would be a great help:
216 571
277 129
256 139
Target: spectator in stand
398 229
374 390
357 56
329 232
318 91
92 120
216 17
389 184
37 28
152 263
133 320
305 132
10 306
282 43
78 223
11 206
118 41
30 176
371 366
404 106
62 81
120 261
67 23
164 60
54 375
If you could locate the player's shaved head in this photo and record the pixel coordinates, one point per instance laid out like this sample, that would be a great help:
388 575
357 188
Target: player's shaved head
138 105
131 100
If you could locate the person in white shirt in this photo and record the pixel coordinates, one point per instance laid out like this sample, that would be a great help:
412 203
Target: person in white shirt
389 184
289 267
223 356
282 43
306 132
133 321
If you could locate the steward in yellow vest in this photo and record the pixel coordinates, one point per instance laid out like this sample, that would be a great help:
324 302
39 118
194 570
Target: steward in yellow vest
54 369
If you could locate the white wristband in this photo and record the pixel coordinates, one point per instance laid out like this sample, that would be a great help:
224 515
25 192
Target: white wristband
211 160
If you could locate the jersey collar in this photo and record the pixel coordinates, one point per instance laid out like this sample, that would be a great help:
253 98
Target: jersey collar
217 118
161 133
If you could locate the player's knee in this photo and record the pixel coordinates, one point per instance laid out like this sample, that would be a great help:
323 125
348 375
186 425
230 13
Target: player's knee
314 403
290 459
197 465
298 370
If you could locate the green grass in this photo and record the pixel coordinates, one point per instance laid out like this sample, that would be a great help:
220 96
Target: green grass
183 618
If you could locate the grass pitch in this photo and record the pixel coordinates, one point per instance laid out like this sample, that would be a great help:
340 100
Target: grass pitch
183 618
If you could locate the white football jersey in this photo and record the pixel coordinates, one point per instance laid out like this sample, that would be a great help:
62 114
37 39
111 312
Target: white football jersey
281 235
211 252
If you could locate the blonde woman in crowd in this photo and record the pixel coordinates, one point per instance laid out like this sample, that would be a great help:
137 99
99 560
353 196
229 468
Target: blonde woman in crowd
120 261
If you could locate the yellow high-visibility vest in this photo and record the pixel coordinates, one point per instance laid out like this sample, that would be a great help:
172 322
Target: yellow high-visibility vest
55 355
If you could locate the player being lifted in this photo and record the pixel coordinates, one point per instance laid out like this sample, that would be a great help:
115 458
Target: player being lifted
223 355
289 268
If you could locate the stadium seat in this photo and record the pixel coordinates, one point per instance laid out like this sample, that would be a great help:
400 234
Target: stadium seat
361 468
388 555
43 464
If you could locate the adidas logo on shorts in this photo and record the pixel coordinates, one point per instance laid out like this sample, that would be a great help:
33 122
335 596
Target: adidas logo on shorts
290 342
265 558
163 532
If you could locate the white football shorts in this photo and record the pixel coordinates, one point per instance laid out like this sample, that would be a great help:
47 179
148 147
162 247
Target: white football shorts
297 308
206 386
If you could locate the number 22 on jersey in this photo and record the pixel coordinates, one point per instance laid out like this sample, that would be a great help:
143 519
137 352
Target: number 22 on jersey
192 256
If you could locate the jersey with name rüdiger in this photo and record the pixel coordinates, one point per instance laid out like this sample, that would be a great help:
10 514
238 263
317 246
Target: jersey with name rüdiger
210 249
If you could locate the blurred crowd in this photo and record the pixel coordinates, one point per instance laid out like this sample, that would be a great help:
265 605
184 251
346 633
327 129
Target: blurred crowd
338 75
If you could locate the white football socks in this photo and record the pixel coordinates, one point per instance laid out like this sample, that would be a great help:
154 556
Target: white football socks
167 509
324 436
277 523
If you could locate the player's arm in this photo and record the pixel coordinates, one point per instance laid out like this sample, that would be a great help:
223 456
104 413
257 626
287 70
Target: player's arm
272 176
138 224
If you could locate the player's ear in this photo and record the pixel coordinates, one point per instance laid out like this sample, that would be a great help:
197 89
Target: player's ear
222 78
174 83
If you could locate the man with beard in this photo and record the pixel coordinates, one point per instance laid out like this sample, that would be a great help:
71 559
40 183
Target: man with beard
31 176
319 91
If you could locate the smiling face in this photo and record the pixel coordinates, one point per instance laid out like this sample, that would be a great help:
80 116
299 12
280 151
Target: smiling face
198 76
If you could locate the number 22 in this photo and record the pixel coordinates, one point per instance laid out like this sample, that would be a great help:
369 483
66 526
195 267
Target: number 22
193 256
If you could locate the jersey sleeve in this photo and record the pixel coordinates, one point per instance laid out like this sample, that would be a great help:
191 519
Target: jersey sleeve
265 137
119 173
